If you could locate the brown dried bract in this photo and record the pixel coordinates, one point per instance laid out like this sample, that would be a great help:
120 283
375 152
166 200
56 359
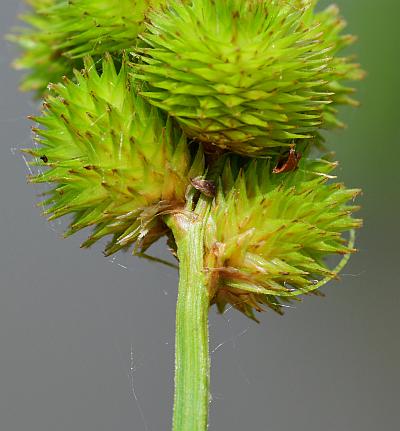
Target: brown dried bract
289 163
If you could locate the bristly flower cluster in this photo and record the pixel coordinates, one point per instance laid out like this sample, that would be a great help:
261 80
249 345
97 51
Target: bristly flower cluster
247 75
62 32
269 234
117 162
121 142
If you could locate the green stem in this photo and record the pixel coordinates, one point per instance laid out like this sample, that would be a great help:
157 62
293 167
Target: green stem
192 364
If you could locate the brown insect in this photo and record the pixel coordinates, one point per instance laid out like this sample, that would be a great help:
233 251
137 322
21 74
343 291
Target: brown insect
204 186
289 163
44 158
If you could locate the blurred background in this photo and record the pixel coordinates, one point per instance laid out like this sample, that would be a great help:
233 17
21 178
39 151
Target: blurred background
87 343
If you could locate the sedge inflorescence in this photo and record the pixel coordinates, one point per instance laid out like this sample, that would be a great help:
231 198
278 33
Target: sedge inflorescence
150 86
268 234
117 162
62 32
248 76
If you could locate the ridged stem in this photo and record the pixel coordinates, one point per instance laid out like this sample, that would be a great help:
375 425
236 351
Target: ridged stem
192 363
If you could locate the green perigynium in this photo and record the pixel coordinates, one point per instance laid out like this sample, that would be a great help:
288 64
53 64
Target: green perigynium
117 162
63 31
269 234
247 75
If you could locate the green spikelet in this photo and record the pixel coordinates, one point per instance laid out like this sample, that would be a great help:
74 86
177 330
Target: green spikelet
97 26
269 234
62 32
116 161
247 75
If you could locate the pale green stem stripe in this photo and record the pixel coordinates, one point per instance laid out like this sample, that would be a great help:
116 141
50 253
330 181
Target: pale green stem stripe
192 364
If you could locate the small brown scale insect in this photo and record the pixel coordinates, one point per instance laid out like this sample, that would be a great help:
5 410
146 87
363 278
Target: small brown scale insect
206 187
289 163
44 158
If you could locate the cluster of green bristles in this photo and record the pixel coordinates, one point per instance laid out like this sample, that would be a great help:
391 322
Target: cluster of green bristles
147 101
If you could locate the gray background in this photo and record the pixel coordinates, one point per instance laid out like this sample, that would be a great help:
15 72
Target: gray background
78 332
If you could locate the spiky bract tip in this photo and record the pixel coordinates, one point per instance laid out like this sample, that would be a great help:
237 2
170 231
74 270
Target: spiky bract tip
247 75
117 162
269 234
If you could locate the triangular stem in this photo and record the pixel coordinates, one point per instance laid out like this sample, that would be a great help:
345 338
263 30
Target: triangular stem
192 363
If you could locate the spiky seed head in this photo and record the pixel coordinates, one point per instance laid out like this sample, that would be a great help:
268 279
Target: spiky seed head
62 32
269 234
247 75
117 162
